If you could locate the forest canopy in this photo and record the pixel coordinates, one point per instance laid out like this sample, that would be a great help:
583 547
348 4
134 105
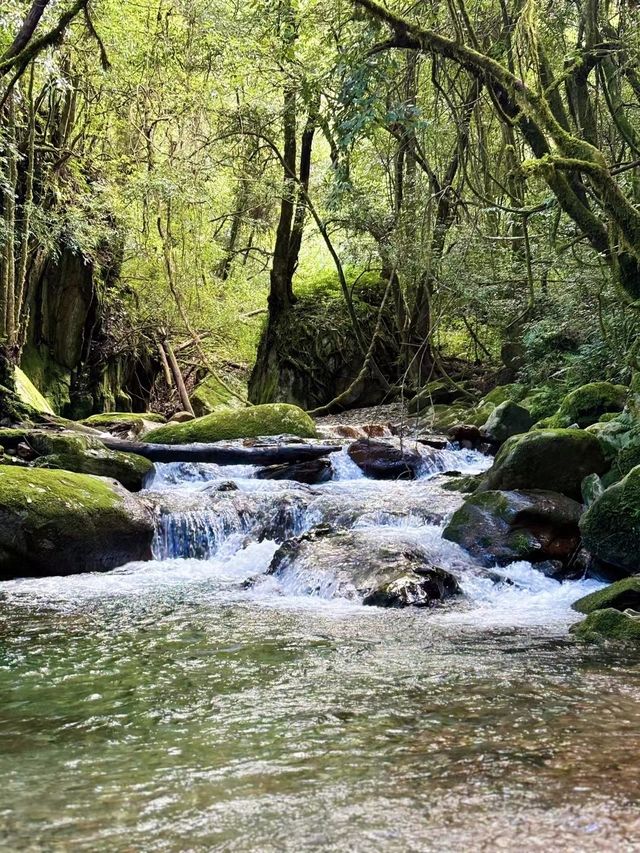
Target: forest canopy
343 192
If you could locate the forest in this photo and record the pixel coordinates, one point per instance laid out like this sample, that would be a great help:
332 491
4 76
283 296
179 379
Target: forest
312 313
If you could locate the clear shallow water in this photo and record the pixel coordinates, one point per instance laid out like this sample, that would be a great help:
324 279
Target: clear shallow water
166 707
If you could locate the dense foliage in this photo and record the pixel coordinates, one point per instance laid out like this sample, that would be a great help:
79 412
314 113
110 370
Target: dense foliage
215 162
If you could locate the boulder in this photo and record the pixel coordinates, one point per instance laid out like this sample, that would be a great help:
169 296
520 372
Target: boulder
611 525
383 461
228 424
86 455
498 528
124 424
621 595
506 420
609 624
311 472
586 405
466 435
61 523
181 418
29 394
375 567
504 393
555 460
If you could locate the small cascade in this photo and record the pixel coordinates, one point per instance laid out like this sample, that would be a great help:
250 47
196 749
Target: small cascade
197 534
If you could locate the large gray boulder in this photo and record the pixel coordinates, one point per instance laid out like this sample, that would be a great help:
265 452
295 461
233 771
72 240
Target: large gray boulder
611 525
506 420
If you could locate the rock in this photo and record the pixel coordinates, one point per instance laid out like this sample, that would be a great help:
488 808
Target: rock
382 461
504 393
587 404
465 484
437 442
376 567
552 460
504 527
506 420
61 523
609 624
611 525
541 402
181 418
621 595
29 394
466 435
87 455
124 424
312 472
269 419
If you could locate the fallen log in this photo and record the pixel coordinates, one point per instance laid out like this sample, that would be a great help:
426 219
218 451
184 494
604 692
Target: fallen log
222 455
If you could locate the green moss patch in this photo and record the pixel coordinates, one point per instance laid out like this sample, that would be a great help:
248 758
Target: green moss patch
608 624
619 595
225 425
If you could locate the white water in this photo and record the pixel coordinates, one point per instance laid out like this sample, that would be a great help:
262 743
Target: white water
213 542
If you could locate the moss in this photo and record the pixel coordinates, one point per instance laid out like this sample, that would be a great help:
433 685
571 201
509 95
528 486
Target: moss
611 525
29 394
619 595
58 522
268 419
506 420
541 402
127 468
47 374
587 404
513 393
109 418
554 460
210 394
608 624
465 485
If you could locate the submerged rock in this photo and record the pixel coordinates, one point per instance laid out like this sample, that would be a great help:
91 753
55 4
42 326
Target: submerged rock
311 472
61 523
504 527
611 525
228 424
382 461
554 460
373 566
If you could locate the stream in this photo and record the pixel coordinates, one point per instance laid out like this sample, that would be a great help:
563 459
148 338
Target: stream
195 703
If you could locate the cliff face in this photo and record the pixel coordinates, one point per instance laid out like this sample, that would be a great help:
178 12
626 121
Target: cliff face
69 353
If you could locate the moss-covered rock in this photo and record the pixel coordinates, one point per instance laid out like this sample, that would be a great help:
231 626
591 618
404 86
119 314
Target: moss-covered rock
269 419
541 402
609 624
29 394
502 393
107 419
87 455
60 523
210 394
587 404
503 527
621 595
555 460
611 525
506 420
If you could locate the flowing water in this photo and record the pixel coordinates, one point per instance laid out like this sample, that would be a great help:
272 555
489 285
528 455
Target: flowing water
172 706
